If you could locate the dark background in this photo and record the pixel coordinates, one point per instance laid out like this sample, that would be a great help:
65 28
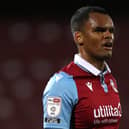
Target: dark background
35 41
58 8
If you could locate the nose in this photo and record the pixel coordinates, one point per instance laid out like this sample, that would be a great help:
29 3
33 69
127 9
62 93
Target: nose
108 34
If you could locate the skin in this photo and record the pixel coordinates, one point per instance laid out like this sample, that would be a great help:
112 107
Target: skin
95 41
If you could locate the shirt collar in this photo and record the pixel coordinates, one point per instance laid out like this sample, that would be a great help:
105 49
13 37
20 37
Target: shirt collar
87 66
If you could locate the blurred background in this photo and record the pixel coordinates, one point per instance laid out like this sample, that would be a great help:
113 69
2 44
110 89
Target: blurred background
35 42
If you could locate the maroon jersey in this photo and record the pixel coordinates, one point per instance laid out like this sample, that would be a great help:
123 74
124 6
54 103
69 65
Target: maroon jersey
89 98
96 109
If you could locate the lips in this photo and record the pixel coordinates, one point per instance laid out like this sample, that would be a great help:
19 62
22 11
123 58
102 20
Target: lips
108 45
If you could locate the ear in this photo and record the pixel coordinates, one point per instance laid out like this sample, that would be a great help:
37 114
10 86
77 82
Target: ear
78 38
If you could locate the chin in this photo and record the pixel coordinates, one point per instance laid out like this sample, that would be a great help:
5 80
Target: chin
104 57
107 57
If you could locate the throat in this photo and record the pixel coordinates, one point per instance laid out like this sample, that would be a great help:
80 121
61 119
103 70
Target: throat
99 64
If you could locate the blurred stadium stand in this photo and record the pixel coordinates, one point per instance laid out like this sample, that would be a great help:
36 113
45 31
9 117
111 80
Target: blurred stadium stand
35 44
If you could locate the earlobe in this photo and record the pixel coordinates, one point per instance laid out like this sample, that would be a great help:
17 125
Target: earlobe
78 38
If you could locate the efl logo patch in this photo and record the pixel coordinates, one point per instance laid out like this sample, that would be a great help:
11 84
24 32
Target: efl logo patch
53 106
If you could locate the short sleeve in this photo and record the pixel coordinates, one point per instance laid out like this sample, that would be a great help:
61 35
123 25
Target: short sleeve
59 98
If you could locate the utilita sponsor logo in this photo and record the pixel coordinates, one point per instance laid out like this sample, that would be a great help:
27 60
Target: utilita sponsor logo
107 111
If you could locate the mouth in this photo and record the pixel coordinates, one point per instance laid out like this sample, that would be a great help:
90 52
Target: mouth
108 45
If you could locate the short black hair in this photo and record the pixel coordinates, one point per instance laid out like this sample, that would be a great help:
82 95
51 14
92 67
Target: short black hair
82 15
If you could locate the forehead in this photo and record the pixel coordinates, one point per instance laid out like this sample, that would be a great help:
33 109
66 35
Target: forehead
99 20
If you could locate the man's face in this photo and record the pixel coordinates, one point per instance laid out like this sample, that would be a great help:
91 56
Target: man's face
98 36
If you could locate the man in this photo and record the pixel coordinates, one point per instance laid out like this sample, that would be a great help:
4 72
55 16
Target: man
84 94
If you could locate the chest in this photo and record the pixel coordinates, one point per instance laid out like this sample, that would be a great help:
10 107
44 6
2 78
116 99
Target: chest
98 103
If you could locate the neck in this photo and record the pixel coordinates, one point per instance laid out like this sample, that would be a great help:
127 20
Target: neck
99 64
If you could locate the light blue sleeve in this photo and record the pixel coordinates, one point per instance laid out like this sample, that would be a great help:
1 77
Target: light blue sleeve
59 98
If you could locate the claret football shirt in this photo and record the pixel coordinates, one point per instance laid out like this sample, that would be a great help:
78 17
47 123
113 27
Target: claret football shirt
80 96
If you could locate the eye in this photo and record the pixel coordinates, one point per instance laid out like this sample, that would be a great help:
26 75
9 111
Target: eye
100 29
111 30
104 29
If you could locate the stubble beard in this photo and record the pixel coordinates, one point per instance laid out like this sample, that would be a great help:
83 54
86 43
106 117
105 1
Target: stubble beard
104 57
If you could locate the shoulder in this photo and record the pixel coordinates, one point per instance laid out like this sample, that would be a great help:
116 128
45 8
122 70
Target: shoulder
60 82
62 85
